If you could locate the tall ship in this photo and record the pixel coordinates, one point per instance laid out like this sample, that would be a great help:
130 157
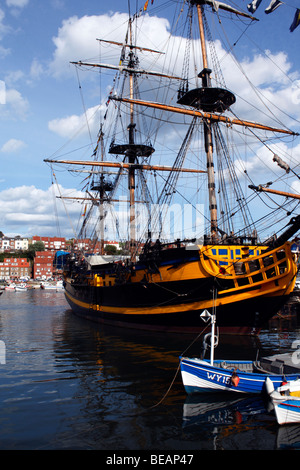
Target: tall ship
167 168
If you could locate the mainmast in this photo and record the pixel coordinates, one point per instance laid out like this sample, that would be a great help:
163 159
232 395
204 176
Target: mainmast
131 154
212 100
206 82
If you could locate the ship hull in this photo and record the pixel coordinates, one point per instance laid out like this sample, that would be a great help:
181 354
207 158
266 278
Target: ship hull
244 318
173 298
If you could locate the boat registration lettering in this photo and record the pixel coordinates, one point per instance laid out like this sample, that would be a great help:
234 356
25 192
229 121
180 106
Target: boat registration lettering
220 378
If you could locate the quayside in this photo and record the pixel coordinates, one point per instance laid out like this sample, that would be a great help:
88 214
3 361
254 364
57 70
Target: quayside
165 143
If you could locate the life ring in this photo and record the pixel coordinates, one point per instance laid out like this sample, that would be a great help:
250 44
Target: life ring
207 340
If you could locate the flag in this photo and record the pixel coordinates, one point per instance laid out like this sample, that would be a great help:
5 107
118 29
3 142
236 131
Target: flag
296 21
273 5
252 7
146 5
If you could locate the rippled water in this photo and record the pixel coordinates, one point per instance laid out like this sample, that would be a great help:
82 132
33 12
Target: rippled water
71 384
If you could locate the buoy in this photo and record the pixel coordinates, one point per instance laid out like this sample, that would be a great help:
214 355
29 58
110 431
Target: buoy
235 379
269 386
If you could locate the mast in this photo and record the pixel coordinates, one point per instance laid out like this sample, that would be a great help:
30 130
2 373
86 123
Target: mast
131 155
205 76
132 150
210 99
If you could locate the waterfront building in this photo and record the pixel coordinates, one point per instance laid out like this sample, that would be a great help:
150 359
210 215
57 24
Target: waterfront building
51 243
15 268
43 264
10 244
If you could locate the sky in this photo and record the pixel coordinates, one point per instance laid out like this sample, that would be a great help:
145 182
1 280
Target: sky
41 107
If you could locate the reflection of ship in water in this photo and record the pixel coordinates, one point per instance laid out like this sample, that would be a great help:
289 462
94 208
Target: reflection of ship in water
119 377
225 417
288 437
288 318
219 409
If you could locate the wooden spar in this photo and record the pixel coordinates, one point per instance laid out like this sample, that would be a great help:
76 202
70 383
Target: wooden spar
130 46
125 165
274 191
209 116
123 68
208 138
95 199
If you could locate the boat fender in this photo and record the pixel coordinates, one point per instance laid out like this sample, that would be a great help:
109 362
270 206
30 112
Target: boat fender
269 386
235 378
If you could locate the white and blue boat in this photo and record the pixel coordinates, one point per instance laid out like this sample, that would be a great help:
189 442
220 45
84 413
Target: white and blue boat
210 375
288 412
286 401
200 375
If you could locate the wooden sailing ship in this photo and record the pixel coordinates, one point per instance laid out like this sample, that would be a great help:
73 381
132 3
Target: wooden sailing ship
164 284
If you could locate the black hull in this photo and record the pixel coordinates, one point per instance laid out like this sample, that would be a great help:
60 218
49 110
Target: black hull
244 317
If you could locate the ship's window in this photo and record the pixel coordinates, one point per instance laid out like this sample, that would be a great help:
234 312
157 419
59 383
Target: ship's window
268 261
257 277
282 267
223 251
214 251
239 268
270 273
244 281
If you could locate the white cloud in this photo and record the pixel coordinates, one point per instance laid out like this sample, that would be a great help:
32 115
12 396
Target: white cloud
27 210
36 69
13 145
77 38
16 105
17 3
4 29
76 124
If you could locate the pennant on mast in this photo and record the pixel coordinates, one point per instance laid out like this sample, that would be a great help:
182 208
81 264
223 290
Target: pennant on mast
296 21
223 6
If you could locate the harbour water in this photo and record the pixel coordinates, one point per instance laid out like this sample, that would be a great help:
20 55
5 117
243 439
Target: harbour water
67 383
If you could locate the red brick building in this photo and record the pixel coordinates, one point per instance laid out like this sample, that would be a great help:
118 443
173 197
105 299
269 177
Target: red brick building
15 268
43 264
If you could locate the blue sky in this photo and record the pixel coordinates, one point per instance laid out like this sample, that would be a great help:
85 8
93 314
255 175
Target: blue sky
43 108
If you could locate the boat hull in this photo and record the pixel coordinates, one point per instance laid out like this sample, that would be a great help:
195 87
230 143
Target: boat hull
244 318
170 294
199 376
288 412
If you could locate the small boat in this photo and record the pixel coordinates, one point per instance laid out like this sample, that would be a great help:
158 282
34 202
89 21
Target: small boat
10 287
52 286
288 411
286 401
59 285
203 375
21 288
286 391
